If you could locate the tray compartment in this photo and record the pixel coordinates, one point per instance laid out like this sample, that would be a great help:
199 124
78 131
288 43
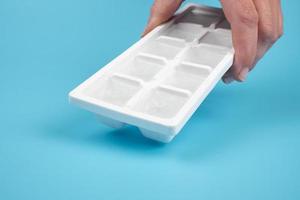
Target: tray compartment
205 55
201 17
115 90
165 47
143 66
161 102
187 76
218 37
185 31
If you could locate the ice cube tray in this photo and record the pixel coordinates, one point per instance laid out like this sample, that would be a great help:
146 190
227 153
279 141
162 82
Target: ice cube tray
159 82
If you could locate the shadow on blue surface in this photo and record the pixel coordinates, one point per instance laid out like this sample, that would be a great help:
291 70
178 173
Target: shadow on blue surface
128 137
222 123
84 130
196 142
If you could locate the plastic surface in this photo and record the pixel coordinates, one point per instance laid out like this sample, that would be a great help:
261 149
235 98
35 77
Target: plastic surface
159 82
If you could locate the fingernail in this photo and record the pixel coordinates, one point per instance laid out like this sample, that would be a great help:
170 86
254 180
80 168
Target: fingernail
243 74
227 80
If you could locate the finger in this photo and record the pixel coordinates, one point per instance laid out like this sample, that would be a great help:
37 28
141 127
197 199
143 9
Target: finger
280 19
161 11
268 25
228 77
243 18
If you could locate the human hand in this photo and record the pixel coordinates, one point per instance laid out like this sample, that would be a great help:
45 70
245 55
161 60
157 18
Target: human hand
256 25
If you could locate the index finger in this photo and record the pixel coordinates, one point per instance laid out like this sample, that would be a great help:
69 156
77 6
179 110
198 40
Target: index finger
243 19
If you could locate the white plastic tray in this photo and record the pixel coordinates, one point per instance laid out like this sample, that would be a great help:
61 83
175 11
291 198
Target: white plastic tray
158 83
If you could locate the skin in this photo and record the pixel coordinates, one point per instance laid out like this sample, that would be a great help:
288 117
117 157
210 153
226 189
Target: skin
256 25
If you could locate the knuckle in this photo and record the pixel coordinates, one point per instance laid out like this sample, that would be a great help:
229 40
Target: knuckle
249 18
268 34
273 37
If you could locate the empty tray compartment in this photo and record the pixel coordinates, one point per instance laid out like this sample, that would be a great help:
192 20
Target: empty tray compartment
186 31
161 102
205 55
143 67
115 90
200 16
187 76
218 37
164 47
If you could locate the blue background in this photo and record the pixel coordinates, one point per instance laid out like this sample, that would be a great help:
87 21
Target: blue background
242 143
